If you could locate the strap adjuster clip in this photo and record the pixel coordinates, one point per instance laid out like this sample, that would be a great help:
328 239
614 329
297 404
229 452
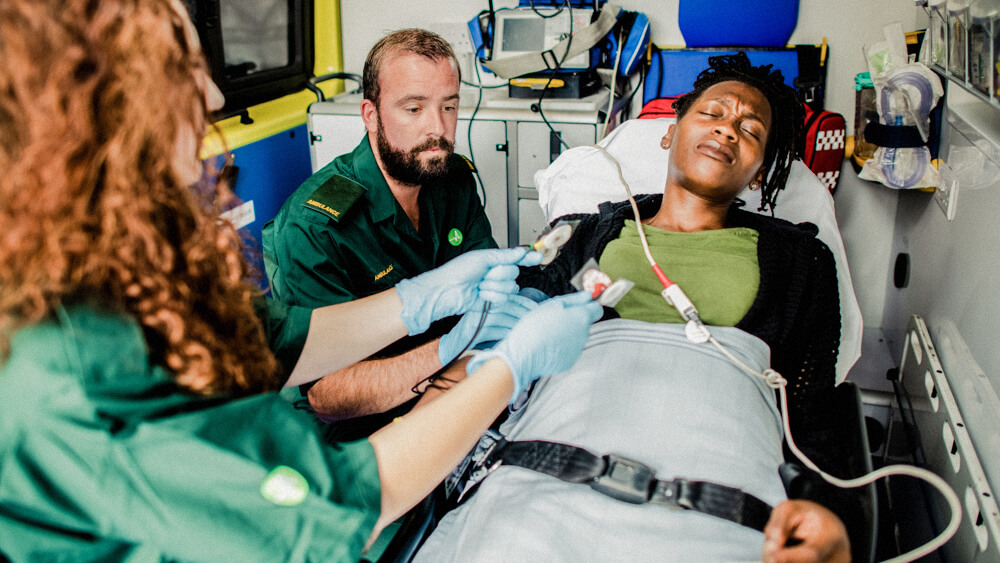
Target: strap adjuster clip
675 493
550 60
624 479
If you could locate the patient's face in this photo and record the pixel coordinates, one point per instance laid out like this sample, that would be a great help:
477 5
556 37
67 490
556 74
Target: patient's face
717 148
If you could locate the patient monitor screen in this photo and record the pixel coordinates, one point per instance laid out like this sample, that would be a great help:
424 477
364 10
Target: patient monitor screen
525 31
523 34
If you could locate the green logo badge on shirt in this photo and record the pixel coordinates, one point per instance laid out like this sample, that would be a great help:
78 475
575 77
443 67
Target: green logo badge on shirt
284 486
455 237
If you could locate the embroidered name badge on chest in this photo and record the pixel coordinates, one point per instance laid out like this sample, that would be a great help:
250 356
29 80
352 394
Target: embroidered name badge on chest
385 272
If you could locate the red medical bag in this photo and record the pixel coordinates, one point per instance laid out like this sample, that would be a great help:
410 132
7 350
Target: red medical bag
659 107
824 144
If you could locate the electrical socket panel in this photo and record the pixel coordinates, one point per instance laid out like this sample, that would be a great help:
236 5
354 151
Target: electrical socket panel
456 33
946 193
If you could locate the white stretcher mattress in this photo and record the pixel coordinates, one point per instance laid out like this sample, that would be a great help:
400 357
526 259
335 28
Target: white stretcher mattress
644 391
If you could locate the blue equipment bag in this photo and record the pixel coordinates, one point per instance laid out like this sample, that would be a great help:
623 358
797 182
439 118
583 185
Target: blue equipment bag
634 28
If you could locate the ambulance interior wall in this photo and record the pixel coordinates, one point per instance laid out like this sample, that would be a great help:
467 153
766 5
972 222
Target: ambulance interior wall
954 280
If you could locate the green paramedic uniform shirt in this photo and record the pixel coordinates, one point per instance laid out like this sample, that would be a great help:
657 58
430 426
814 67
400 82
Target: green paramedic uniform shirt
342 236
104 458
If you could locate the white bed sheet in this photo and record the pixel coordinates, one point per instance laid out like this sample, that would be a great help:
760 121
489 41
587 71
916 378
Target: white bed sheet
646 392
582 178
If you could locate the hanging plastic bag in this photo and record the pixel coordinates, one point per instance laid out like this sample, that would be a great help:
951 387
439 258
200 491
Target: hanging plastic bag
905 94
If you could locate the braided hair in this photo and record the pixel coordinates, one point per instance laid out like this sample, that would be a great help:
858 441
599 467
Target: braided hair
784 142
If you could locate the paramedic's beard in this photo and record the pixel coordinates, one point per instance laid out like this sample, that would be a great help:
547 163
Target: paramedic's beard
405 166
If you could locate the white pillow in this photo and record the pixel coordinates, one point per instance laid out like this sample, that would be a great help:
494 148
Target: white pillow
582 178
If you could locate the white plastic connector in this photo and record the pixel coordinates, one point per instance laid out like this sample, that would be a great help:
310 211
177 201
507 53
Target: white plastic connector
678 300
696 332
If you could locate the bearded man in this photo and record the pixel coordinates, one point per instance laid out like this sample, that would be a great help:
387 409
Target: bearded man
400 204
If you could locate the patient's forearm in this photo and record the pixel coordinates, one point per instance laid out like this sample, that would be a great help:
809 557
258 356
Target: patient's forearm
419 450
373 386
342 334
448 378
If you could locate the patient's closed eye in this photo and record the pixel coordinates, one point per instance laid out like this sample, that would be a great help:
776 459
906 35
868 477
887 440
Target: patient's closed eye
752 131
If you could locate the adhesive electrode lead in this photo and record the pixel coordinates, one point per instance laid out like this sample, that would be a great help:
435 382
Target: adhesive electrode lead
552 240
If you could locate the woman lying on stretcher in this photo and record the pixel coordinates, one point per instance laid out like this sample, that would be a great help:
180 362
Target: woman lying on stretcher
764 276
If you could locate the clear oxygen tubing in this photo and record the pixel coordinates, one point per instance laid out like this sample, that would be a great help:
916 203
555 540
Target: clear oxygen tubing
919 114
891 164
698 332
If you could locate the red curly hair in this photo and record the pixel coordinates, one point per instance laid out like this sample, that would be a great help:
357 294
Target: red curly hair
94 96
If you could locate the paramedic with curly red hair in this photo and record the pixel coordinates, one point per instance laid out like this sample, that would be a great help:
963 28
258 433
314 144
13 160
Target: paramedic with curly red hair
134 363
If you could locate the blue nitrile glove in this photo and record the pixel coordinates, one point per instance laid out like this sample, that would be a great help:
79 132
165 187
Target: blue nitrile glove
455 287
547 340
500 319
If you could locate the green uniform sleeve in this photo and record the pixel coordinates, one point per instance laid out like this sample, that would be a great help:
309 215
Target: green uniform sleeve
311 272
286 327
95 467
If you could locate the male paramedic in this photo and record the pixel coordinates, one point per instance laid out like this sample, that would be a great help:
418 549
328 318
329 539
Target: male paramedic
400 204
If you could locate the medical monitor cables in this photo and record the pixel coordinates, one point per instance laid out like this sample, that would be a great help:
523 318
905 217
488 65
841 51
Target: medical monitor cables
672 293
697 332
472 119
614 84
537 107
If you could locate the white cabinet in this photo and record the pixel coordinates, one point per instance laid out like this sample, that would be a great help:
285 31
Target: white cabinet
538 145
331 135
489 141
510 142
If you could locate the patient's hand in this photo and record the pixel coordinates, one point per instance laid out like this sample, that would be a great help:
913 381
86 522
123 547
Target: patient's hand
801 530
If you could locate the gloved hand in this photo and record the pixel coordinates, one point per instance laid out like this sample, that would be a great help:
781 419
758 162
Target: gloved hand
455 287
499 320
546 341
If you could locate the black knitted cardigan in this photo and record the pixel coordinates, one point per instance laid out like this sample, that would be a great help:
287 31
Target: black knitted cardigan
796 312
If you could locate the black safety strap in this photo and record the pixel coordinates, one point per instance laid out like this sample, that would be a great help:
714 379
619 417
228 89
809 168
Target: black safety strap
900 136
630 481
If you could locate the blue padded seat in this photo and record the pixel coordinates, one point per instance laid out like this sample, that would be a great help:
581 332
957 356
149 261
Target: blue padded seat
672 71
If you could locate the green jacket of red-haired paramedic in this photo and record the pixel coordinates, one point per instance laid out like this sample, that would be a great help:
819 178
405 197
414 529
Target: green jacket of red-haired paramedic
103 457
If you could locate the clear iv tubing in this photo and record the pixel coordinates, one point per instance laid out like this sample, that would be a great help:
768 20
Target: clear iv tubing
890 166
774 380
915 80
889 162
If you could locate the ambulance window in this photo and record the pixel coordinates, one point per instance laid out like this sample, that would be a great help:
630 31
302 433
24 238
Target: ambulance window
257 51
255 36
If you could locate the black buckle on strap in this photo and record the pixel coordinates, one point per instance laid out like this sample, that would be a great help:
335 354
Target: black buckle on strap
676 493
624 479
550 60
